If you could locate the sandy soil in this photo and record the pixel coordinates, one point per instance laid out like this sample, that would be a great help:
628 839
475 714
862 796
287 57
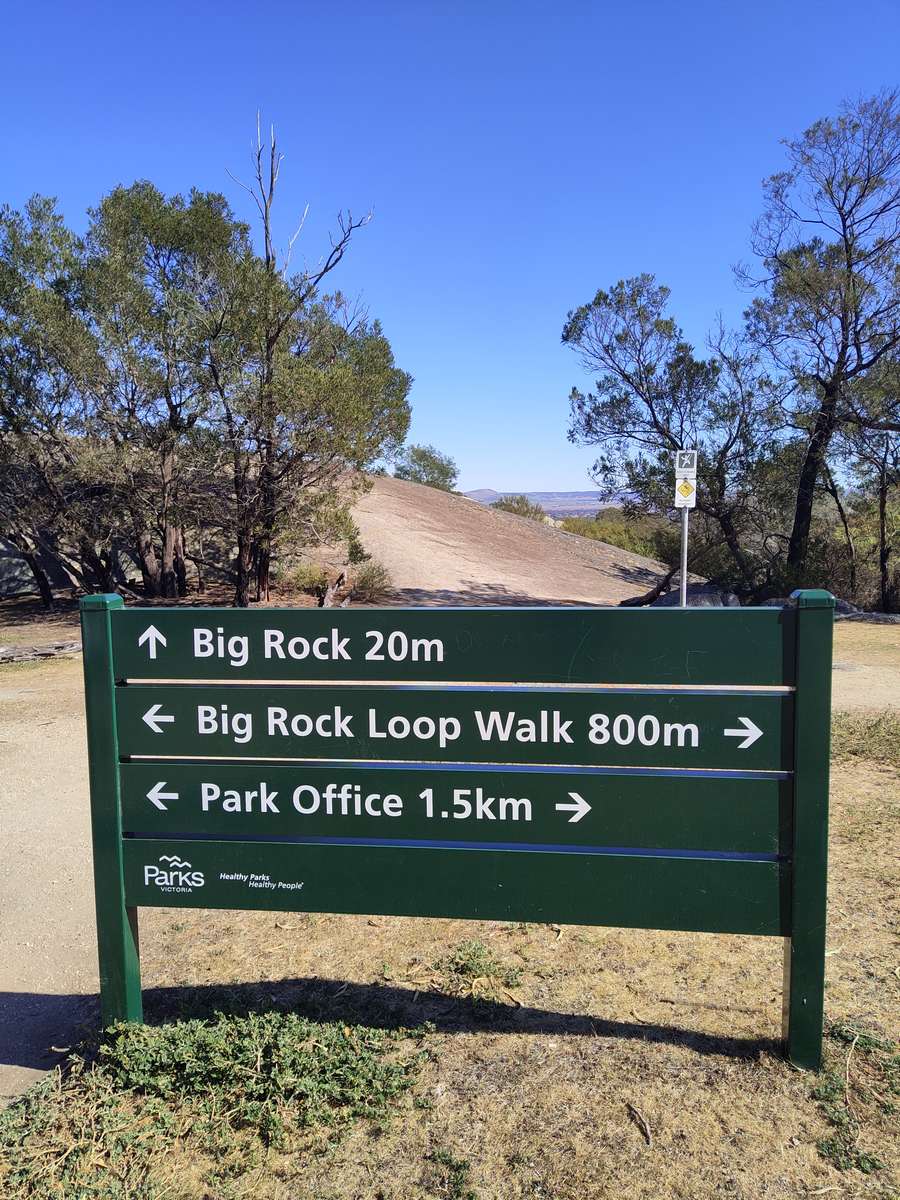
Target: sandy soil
866 666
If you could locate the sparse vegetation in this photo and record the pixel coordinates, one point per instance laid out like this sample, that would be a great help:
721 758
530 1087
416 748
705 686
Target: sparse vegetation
472 970
521 506
873 736
653 537
213 1093
371 582
860 1085
454 1182
309 577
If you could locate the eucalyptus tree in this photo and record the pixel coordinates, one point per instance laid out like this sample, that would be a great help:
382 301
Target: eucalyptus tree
306 391
653 395
829 312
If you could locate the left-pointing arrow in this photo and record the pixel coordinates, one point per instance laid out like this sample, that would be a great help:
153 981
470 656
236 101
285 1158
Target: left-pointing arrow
155 719
156 795
151 637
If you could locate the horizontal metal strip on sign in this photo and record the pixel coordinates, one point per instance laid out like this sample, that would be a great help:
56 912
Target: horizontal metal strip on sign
671 811
450 844
615 729
396 685
731 647
629 890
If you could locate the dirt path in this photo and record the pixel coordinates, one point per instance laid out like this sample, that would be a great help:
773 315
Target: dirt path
48 973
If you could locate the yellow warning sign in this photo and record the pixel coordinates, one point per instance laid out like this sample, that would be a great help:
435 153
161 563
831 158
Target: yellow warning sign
686 488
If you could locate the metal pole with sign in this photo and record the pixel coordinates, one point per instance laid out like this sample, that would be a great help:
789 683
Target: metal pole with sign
685 499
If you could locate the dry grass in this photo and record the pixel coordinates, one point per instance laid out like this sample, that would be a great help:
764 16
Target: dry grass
572 1062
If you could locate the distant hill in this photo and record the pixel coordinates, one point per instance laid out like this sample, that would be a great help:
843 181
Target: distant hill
555 504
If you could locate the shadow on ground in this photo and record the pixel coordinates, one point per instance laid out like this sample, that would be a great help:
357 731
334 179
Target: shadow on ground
480 595
64 1019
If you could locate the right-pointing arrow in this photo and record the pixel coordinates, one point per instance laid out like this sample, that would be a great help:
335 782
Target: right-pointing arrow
750 732
156 795
578 810
155 719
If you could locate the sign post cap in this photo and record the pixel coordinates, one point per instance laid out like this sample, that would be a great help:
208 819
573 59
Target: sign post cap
104 600
813 598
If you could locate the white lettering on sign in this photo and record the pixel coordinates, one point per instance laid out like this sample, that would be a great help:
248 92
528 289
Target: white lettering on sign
648 730
215 718
328 648
210 643
550 727
345 800
327 725
424 729
233 800
236 650
401 648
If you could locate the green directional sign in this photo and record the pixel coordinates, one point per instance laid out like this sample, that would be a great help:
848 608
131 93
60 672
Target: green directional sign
591 728
351 804
726 647
658 769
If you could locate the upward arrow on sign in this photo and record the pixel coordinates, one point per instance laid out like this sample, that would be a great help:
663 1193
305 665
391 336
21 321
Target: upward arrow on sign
151 637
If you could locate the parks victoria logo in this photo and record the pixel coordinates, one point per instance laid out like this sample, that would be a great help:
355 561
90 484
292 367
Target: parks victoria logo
175 876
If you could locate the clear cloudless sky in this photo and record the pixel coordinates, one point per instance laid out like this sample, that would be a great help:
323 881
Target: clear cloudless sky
517 156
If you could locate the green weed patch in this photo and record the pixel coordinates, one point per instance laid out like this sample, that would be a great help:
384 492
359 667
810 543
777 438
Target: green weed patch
215 1094
858 1093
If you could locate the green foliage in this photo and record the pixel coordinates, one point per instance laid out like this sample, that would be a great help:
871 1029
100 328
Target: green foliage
455 1182
219 1090
425 464
472 970
356 551
652 537
521 506
371 582
309 577
855 1090
163 384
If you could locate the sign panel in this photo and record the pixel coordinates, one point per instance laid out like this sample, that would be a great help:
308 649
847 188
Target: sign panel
564 727
685 464
723 895
430 645
343 802
685 493
658 769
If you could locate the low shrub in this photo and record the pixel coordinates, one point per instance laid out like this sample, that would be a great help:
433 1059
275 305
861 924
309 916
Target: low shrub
371 581
521 506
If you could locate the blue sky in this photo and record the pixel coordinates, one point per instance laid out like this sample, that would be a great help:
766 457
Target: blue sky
517 156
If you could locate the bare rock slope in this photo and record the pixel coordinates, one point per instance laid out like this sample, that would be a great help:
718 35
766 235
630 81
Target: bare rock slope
442 548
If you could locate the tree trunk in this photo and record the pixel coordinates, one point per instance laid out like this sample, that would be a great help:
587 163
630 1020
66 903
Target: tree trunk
26 549
147 561
102 570
726 524
242 565
168 580
823 429
884 551
848 534
180 565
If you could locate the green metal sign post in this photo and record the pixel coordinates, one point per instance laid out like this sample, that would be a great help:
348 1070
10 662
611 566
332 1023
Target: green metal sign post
659 769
